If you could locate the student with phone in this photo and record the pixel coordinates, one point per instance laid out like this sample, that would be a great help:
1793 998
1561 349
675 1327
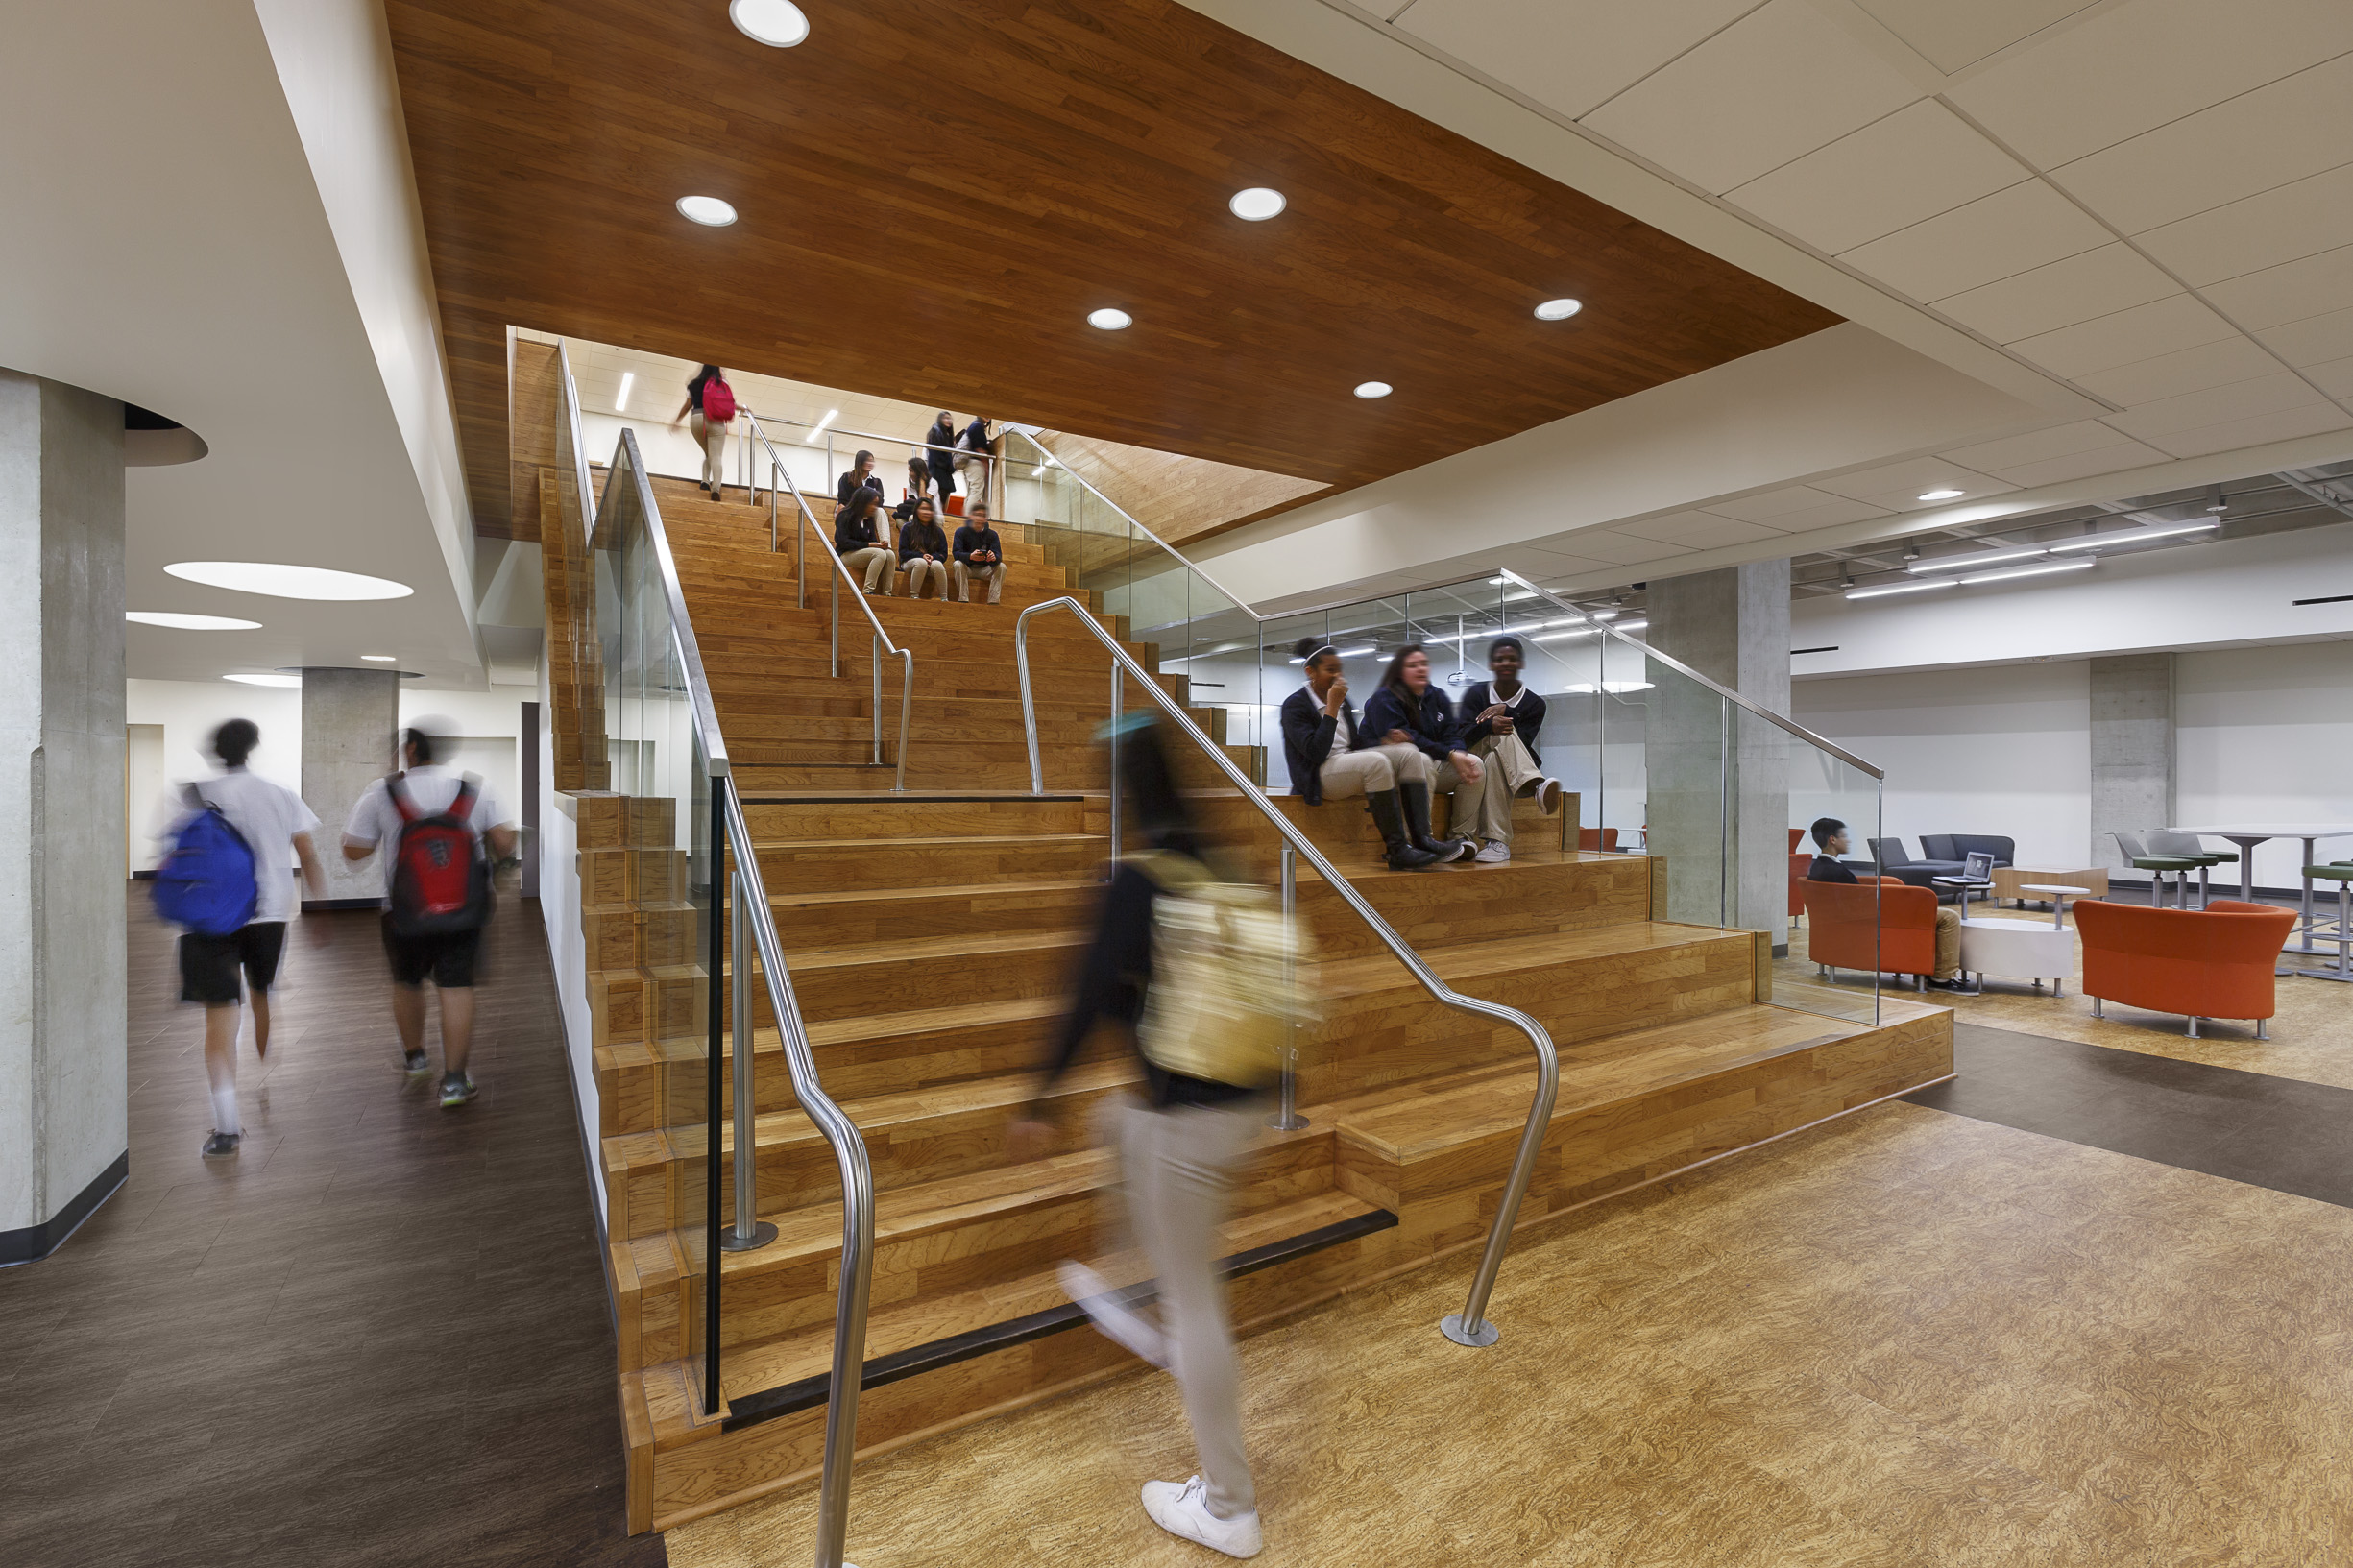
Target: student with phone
1501 719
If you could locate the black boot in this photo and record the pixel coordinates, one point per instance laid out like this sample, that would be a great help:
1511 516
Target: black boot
1386 816
1417 800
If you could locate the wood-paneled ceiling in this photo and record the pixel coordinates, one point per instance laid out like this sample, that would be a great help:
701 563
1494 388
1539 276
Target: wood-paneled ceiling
934 193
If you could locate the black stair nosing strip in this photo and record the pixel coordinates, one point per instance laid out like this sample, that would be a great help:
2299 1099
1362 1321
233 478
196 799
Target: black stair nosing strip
805 1394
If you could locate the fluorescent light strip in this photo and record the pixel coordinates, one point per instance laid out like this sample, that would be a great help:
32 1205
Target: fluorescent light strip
818 429
1880 591
2134 535
2029 571
621 401
1966 563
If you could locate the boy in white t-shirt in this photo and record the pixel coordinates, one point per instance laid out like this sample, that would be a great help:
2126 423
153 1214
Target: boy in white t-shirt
275 824
447 958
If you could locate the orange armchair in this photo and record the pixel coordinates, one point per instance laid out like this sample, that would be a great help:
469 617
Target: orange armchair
1597 838
2215 962
1799 865
1900 940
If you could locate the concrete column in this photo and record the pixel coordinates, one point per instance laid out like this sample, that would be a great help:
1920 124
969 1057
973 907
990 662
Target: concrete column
65 1069
2132 752
351 730
1731 626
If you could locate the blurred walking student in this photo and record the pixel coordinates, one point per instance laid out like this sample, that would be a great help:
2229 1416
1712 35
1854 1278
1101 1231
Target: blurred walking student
709 409
1501 717
227 879
863 541
1408 711
979 555
1193 972
439 831
939 456
1320 731
972 461
923 554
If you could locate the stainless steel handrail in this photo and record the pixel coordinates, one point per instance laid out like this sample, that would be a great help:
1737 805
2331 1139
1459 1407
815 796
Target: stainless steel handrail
882 639
1193 567
900 441
750 907
1468 1327
581 481
1680 668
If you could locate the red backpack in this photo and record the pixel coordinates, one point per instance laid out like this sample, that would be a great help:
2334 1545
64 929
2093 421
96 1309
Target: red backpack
718 400
440 876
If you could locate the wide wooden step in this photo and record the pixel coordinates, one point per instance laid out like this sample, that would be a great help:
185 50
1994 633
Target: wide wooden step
835 864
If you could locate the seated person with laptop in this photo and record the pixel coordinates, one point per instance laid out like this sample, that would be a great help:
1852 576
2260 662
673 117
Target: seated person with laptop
1830 835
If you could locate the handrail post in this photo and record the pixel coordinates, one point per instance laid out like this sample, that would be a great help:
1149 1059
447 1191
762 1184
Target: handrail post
750 1231
835 647
876 700
906 710
1116 693
1287 1118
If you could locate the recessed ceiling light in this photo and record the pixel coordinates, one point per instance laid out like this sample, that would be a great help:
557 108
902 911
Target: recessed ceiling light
380 658
179 622
620 404
1558 310
265 680
707 211
1942 493
1374 389
1110 320
1256 204
777 23
284 582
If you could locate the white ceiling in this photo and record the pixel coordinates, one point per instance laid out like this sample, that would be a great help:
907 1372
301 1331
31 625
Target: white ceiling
2149 200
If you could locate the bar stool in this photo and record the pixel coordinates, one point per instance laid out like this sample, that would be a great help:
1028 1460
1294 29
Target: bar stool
2189 846
2157 866
2343 876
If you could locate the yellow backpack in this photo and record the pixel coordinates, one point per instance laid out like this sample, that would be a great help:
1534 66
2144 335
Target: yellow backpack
1224 995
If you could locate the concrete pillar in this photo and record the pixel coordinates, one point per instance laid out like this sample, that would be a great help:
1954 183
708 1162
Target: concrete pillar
64 1067
1731 626
351 728
2132 751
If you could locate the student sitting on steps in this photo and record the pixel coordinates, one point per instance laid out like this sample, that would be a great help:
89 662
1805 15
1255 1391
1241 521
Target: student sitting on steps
1319 731
1501 718
979 555
860 540
923 554
1408 711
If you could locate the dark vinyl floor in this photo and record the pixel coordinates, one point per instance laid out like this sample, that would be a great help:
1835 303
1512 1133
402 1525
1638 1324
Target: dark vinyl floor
377 1334
2281 1133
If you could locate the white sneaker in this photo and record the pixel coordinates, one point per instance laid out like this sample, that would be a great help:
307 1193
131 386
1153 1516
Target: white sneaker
1094 1295
1493 852
1184 1510
1548 795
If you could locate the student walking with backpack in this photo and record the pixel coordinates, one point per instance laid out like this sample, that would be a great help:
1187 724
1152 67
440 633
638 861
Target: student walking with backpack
1194 969
442 830
226 878
708 410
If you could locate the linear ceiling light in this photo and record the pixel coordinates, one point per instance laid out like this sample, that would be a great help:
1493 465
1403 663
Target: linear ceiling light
818 429
621 400
1354 653
179 622
2012 573
1256 204
1879 591
708 210
380 658
780 24
281 581
1991 558
2134 535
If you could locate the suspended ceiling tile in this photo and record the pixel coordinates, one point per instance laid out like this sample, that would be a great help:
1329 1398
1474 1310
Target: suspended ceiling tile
1780 508
1897 487
1698 530
1994 237
2185 370
2289 293
2284 425
2335 377
2179 320
2286 224
2095 284
1569 55
1774 85
1918 161
2272 394
2035 447
2313 340
2296 126
1950 37
1609 547
2137 66
2058 470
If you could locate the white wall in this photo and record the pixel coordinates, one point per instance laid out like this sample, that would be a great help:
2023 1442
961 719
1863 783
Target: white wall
559 908
2265 735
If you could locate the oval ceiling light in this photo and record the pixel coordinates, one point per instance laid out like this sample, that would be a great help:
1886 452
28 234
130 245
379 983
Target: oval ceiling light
780 24
265 680
281 581
1257 203
1374 389
1110 320
1942 493
380 658
1558 310
179 622
708 210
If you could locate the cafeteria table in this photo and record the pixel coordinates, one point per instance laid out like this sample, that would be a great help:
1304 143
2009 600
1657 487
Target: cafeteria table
2246 835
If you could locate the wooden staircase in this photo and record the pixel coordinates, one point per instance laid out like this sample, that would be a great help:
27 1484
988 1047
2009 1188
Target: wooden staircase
930 936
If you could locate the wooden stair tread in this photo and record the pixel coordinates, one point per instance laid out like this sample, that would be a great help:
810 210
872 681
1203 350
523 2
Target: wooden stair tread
953 841
963 946
928 890
1474 960
842 1032
877 1114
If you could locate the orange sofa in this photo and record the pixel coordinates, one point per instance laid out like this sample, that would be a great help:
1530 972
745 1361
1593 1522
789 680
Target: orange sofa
1597 838
2215 962
1799 865
1845 934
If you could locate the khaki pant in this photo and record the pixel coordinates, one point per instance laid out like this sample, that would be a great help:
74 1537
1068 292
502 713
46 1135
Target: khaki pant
875 562
1507 769
1371 770
713 439
920 571
972 473
1948 944
1179 1165
965 576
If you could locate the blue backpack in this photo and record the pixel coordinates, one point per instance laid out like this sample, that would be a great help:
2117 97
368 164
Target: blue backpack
207 882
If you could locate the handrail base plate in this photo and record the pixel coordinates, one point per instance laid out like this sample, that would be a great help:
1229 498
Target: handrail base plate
1477 1338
